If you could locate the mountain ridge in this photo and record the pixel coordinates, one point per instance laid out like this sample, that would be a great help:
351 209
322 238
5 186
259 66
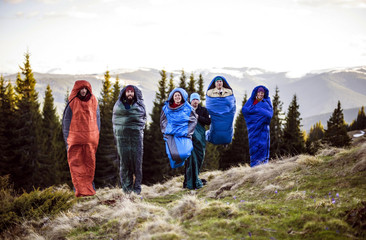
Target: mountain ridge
317 92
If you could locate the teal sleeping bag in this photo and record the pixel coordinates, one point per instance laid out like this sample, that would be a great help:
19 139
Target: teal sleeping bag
128 129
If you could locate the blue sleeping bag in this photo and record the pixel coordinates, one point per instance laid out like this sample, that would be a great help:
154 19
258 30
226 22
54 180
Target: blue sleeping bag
177 125
222 111
258 117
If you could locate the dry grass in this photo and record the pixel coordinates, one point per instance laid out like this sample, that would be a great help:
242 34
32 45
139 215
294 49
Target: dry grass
262 175
186 208
296 195
309 160
129 216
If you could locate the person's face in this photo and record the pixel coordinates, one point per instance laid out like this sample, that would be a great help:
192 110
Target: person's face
83 92
130 94
195 102
260 95
177 98
218 84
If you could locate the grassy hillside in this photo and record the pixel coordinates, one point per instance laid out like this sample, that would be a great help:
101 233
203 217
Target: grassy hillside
301 197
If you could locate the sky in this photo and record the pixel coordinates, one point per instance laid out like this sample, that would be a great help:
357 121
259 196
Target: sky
92 36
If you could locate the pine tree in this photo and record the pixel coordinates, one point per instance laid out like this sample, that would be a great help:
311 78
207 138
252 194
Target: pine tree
360 122
191 85
50 124
106 172
200 87
183 83
155 163
238 152
313 141
28 130
116 90
293 138
336 133
276 131
63 171
7 108
171 85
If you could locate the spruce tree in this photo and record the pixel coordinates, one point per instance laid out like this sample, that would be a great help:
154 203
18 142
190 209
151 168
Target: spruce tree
191 85
106 172
183 81
276 131
50 124
313 141
63 171
3 138
200 87
7 118
155 163
360 122
171 85
336 133
8 129
293 138
28 130
116 90
238 152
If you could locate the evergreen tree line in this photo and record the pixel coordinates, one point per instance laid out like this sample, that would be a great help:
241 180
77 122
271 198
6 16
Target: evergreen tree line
33 152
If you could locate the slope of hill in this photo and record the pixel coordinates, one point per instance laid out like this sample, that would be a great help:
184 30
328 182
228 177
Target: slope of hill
349 116
301 197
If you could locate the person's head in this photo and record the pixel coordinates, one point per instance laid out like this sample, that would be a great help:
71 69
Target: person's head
219 83
83 91
130 93
195 100
260 93
177 97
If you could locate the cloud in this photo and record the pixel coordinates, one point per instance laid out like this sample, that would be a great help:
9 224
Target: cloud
14 1
333 3
85 58
48 1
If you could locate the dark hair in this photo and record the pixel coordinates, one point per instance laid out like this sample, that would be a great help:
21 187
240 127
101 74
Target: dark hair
171 101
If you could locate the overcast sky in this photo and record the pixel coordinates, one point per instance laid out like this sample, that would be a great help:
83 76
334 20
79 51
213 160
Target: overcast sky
91 36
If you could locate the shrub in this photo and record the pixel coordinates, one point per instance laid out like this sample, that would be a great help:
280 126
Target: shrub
33 205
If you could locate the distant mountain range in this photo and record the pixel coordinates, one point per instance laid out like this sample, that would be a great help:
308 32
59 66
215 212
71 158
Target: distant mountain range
317 92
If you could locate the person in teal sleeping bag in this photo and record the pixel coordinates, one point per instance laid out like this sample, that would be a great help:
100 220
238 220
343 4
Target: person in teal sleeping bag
221 105
177 123
129 117
194 162
258 112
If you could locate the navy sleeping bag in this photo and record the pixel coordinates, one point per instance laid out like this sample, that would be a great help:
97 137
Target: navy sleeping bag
177 125
222 111
258 117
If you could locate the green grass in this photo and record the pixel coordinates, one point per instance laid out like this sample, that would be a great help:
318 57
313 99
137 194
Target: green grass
323 201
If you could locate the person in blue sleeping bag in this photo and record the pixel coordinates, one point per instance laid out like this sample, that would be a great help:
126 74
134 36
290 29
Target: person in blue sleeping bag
258 112
177 123
220 103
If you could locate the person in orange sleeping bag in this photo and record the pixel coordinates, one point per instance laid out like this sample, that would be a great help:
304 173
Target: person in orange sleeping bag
81 127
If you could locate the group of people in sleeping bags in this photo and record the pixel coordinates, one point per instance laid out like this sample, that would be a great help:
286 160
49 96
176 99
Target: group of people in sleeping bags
183 125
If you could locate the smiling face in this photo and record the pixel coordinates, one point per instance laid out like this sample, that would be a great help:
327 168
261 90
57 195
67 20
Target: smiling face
219 84
83 92
260 95
130 94
177 98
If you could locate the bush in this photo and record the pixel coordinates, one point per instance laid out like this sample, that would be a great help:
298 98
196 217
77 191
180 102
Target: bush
33 205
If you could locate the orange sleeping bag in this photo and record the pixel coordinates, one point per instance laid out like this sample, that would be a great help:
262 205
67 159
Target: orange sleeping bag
81 127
